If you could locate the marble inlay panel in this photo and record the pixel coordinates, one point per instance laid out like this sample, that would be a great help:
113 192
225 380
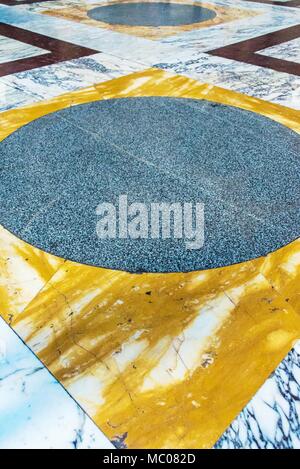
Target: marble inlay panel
154 349
248 51
80 13
286 51
121 45
185 46
24 271
269 85
272 417
139 350
57 51
53 80
179 161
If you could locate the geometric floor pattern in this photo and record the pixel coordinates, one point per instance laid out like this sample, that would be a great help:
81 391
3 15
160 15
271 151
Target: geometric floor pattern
269 168
149 357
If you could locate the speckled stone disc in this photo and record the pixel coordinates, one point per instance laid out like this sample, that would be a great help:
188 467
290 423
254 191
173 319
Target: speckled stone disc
242 166
151 14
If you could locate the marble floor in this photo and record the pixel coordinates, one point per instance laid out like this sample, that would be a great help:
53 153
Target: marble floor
117 334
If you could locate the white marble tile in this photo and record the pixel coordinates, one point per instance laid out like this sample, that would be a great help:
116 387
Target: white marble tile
206 39
286 51
122 45
53 80
35 411
14 50
188 45
182 54
11 97
259 82
272 418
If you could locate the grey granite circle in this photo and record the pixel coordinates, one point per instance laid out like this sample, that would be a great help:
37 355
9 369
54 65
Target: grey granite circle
243 167
151 14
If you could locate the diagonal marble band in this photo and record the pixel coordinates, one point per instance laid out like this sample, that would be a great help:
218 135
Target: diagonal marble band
59 51
248 51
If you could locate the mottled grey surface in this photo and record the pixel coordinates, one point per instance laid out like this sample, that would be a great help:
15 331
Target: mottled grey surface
151 14
242 166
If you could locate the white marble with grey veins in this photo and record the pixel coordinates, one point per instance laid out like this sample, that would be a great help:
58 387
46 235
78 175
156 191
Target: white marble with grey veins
53 80
289 50
184 53
269 85
35 411
205 39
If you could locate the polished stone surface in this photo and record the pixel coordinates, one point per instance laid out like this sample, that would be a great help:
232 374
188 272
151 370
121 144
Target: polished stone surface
161 150
152 358
151 14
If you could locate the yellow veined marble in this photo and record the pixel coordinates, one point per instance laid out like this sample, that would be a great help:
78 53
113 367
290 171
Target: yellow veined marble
163 360
24 270
168 360
79 13
282 269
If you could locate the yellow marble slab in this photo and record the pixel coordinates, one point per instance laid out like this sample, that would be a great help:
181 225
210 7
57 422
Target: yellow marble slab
282 269
163 360
166 360
79 13
24 270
